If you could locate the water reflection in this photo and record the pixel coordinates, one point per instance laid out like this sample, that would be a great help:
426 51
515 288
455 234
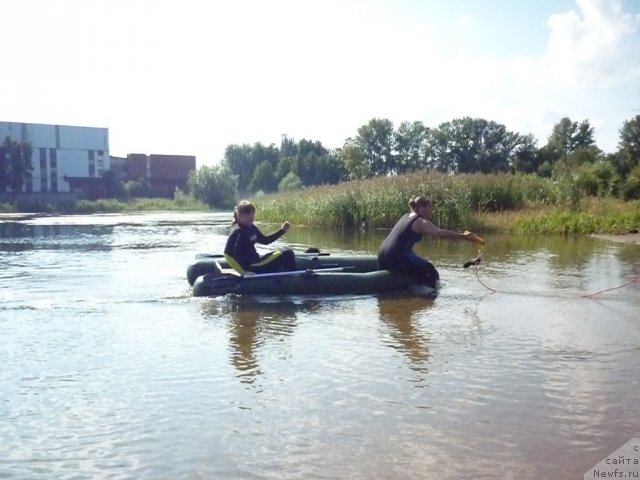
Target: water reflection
401 316
252 323
19 237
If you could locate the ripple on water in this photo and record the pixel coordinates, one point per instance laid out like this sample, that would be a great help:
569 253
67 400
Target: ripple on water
111 370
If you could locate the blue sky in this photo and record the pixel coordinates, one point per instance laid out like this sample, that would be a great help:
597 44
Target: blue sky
191 77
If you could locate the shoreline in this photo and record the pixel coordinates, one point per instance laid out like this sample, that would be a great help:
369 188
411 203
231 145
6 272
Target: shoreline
620 238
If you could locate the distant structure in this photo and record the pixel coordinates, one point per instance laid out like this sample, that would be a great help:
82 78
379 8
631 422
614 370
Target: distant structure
71 161
163 172
60 153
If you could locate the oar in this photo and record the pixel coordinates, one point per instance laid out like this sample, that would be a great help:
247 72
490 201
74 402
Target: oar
308 271
218 281
300 254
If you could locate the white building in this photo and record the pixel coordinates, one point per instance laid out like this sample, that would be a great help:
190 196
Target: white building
59 152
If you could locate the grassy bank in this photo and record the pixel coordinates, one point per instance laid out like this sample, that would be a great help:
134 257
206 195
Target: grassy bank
485 203
525 204
592 216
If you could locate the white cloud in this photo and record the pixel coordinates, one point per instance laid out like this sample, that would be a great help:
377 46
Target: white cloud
590 48
175 77
591 61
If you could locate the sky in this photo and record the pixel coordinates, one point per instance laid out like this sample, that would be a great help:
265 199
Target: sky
189 77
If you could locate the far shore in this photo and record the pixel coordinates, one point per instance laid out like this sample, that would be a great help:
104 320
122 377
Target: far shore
623 238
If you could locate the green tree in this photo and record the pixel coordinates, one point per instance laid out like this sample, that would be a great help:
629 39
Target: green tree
290 182
410 140
239 161
115 188
353 160
309 157
330 169
264 178
526 158
631 185
467 145
216 186
242 161
135 188
310 161
567 136
629 146
376 141
15 164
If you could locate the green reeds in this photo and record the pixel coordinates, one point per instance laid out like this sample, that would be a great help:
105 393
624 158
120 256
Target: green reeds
500 202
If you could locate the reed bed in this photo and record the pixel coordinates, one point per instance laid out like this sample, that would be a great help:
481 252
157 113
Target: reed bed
501 202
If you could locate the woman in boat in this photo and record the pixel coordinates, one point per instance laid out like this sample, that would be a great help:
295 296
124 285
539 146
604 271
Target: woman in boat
396 251
240 251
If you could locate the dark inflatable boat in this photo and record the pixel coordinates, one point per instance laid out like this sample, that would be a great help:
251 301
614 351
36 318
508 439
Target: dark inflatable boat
315 274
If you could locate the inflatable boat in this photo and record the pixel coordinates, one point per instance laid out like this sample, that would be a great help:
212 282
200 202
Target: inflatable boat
315 274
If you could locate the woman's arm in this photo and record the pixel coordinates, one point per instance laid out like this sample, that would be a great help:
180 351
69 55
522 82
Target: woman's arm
427 227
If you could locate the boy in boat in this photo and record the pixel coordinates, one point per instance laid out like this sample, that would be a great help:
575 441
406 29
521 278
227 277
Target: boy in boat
240 251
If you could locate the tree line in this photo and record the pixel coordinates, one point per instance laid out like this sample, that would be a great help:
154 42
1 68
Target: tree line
463 145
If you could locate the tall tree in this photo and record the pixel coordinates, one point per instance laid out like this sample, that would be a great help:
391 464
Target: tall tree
629 145
239 161
215 186
15 164
375 140
330 168
467 145
309 156
264 178
353 159
410 147
567 136
310 161
526 158
242 161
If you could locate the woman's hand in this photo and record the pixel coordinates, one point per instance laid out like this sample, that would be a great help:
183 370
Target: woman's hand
285 226
472 237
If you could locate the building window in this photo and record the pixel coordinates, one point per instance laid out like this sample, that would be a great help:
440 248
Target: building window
53 158
53 168
100 163
92 163
43 169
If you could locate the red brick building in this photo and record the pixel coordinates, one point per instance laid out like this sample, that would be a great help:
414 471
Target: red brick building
163 172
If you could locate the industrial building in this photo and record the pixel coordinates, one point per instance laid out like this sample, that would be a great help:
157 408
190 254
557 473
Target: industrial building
60 152
163 172
71 160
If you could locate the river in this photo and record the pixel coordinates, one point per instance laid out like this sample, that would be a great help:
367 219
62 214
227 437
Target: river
109 368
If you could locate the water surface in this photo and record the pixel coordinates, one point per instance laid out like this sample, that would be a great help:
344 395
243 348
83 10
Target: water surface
110 369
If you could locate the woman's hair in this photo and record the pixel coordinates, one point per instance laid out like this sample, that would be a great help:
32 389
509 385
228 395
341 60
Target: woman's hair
244 206
419 201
